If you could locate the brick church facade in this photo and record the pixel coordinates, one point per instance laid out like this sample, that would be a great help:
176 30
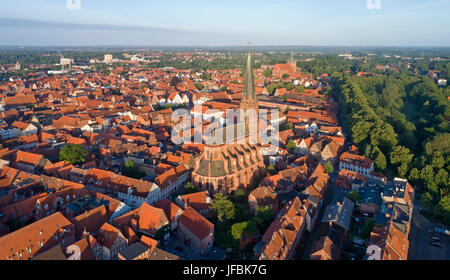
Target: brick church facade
225 168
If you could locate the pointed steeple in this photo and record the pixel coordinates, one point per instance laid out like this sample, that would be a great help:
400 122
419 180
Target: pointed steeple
249 91
249 101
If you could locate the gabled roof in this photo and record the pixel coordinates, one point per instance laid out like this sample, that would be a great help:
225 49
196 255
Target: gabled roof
27 241
356 160
146 217
340 213
108 234
28 158
324 249
85 249
149 242
91 221
199 200
54 254
134 251
281 234
170 209
196 223
117 183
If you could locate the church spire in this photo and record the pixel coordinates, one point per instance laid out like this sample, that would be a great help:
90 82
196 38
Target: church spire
249 91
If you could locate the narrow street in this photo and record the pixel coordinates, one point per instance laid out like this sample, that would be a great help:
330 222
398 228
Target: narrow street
313 235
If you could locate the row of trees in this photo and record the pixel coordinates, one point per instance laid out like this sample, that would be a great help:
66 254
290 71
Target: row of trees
272 87
326 64
401 122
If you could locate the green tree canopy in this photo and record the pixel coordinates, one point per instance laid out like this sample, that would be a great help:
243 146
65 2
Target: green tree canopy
199 86
271 169
354 196
379 159
328 167
189 188
440 145
291 146
131 170
401 157
289 86
443 209
300 89
222 207
206 76
427 200
267 72
73 153
239 196
414 175
265 213
427 177
240 230
367 227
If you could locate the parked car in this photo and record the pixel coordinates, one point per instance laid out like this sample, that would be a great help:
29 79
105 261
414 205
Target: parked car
437 239
436 244
439 230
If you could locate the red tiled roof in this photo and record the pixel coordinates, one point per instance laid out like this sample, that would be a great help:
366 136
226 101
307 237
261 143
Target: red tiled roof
196 223
27 240
108 234
356 160
91 221
147 218
28 158
170 209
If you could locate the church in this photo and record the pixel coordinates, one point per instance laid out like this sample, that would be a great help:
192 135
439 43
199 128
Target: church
237 163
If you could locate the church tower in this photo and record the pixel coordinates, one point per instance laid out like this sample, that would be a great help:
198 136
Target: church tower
232 165
249 102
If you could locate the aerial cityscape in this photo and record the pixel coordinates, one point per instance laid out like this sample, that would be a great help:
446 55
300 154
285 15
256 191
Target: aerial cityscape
125 141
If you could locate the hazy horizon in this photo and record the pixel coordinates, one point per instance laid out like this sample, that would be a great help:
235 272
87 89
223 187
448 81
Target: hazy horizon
352 23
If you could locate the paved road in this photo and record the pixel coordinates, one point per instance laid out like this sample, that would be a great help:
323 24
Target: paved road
312 237
186 253
420 239
314 234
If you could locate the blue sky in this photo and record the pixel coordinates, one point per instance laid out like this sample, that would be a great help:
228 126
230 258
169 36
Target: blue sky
218 22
